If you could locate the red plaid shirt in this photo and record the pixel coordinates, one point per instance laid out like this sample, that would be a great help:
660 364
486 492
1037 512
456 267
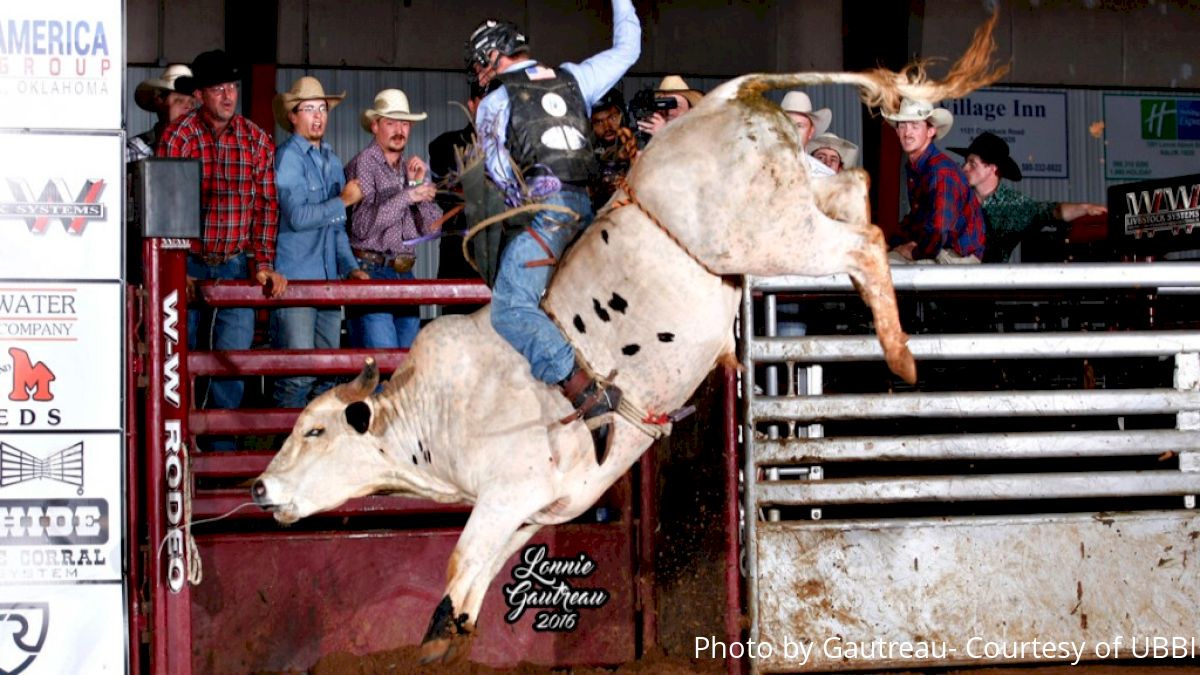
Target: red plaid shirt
237 186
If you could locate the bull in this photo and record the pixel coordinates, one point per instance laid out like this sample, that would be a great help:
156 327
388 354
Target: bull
648 292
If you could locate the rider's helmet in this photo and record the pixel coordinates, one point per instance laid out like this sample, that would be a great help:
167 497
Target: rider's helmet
503 36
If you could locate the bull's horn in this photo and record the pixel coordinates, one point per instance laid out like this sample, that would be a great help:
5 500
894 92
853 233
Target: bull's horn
363 385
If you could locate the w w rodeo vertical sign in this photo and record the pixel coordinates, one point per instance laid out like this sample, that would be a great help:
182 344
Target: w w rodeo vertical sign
62 469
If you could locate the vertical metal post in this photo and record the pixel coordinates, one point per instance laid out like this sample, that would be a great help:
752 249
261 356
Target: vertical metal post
733 579
166 474
749 471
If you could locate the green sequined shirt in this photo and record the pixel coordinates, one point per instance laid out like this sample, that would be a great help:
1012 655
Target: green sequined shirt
1009 215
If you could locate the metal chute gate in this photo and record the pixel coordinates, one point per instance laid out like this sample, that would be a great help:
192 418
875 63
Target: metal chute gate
1038 485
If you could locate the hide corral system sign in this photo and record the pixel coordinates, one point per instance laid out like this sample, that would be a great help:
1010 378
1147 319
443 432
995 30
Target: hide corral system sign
62 468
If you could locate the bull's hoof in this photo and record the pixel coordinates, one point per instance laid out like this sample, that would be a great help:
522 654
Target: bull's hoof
448 639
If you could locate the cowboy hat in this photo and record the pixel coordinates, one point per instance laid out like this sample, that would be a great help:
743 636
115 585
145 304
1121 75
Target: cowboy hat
304 89
674 84
844 148
798 102
920 111
992 150
209 68
392 104
144 95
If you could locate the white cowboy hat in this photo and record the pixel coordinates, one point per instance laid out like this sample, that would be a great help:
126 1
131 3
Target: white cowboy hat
798 102
392 104
304 89
847 150
918 111
674 84
143 96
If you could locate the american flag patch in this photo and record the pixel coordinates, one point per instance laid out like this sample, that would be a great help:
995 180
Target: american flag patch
539 72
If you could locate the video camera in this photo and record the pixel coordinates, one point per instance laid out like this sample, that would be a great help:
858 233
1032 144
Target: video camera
645 103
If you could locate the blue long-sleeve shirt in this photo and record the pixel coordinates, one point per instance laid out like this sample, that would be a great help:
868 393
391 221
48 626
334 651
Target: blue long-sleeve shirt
595 77
312 242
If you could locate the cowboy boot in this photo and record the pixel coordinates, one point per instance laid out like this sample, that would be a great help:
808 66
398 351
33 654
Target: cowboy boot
591 400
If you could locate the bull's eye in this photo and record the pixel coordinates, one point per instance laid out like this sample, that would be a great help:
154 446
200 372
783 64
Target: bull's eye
315 432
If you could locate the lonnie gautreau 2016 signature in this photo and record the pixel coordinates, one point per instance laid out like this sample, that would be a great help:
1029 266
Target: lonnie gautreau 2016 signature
544 583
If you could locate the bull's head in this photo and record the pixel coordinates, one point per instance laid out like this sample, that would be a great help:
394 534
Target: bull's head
331 455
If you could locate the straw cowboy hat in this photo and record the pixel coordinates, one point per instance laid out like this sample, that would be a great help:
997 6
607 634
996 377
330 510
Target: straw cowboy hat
919 111
674 84
992 150
798 102
144 95
304 89
209 68
847 150
392 104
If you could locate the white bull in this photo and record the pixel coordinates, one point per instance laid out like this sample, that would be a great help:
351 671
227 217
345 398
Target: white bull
647 291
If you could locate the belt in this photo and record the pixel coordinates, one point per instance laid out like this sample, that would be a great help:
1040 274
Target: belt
401 263
217 258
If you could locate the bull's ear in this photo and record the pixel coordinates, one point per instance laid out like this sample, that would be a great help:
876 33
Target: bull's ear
363 385
358 416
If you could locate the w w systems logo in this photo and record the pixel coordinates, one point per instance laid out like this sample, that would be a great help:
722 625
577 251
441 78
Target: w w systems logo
54 202
1170 119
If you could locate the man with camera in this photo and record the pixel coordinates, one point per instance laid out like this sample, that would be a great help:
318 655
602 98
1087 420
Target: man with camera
672 99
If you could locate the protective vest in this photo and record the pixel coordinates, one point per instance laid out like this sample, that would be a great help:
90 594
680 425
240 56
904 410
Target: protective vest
548 124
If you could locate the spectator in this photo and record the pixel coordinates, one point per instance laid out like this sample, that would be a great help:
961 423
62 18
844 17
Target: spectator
158 95
836 153
238 208
443 164
686 98
532 105
312 240
395 208
1009 214
808 123
614 144
944 223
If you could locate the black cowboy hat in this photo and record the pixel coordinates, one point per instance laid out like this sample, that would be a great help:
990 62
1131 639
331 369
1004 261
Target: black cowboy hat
992 150
209 68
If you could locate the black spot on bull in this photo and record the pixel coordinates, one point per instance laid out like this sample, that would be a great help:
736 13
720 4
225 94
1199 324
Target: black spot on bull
600 311
630 350
617 303
666 337
604 235
579 324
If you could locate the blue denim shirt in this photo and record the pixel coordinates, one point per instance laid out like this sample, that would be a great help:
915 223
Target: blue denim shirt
312 240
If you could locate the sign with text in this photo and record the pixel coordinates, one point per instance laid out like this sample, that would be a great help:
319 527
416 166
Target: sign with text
69 628
1033 123
61 64
60 357
60 206
60 507
1148 136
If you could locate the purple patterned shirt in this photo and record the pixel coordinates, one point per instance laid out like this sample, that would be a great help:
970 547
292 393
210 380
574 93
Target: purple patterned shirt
385 217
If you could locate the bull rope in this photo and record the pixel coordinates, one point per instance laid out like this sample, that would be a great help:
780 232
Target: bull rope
632 200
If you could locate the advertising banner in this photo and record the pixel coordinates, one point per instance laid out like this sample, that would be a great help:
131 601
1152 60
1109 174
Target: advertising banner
1150 136
56 629
60 357
60 206
1033 123
61 64
60 507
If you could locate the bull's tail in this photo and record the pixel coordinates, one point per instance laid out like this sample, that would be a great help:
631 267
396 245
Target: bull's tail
882 88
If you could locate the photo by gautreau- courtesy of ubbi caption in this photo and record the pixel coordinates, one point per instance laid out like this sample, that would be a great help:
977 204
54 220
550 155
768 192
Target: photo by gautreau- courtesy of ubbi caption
836 648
